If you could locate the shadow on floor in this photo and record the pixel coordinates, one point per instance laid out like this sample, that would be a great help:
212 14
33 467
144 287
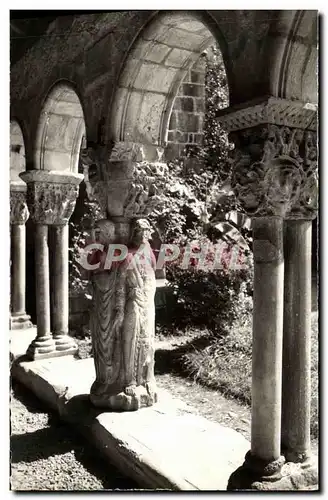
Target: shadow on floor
58 439
170 360
28 398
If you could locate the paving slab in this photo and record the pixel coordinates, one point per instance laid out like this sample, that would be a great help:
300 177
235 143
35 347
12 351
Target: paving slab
163 447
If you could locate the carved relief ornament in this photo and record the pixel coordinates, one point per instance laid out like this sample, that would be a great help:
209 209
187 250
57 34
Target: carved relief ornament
51 195
125 185
275 171
51 203
144 194
275 111
18 208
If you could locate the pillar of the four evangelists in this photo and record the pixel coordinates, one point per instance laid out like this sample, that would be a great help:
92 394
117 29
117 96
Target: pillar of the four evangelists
123 313
51 199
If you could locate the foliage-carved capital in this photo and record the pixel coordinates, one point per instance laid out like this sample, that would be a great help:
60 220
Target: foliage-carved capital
123 186
275 171
18 208
51 203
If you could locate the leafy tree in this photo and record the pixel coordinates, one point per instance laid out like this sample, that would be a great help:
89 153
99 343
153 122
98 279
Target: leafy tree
196 196
215 153
85 213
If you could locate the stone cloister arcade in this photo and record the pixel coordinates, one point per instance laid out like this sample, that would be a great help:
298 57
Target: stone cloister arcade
108 85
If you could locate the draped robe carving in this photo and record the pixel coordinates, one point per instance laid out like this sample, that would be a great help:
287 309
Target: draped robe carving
122 326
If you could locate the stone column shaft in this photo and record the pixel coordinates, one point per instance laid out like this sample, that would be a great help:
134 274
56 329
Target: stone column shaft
63 342
267 337
18 217
42 280
51 199
60 312
18 269
296 400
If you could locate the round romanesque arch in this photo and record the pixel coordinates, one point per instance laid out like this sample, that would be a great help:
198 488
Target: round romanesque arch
60 130
292 47
17 152
157 64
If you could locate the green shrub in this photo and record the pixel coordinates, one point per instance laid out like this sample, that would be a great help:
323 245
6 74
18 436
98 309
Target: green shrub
86 212
212 298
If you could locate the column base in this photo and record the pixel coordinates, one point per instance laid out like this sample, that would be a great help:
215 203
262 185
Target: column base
303 458
132 399
20 322
64 344
41 348
274 476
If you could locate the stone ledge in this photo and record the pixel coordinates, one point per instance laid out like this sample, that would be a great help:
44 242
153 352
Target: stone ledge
21 322
18 186
51 176
164 447
20 340
161 447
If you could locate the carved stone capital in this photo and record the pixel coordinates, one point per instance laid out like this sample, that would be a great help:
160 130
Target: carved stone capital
144 189
51 203
127 151
121 152
18 208
51 196
272 110
95 156
124 186
275 171
136 152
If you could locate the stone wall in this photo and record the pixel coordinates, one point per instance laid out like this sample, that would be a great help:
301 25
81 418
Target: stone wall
187 118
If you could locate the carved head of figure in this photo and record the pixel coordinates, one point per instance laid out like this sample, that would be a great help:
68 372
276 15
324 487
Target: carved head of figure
142 232
309 195
282 184
104 231
247 184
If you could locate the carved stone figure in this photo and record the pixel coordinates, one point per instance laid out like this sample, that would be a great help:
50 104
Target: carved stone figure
123 323
127 187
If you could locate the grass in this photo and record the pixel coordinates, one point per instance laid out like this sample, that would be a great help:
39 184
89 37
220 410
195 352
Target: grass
226 365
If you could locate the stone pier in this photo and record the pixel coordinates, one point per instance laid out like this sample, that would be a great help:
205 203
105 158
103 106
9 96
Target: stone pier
51 199
274 178
123 314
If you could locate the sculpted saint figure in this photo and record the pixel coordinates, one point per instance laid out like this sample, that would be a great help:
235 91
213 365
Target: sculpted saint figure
123 324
